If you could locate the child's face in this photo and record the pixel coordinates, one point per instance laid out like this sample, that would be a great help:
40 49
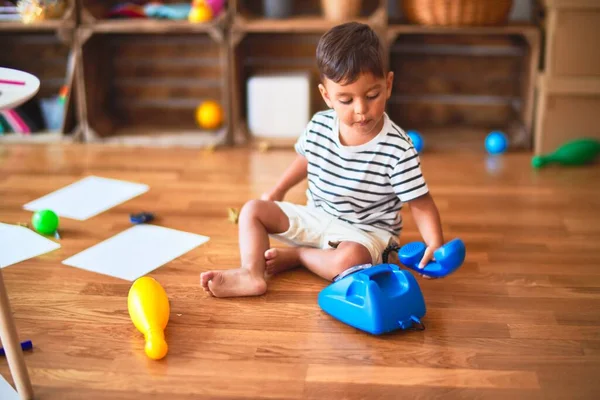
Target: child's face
359 105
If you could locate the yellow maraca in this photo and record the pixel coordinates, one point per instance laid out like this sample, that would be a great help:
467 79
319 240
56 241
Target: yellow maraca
149 310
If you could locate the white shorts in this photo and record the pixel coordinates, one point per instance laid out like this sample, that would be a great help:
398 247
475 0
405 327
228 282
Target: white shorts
311 227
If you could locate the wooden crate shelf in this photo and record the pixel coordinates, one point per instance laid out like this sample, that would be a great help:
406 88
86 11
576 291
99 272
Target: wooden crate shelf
49 57
144 88
300 24
51 25
436 77
66 22
152 26
260 53
143 78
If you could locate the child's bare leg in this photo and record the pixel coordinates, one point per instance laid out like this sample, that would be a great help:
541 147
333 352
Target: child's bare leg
257 219
326 263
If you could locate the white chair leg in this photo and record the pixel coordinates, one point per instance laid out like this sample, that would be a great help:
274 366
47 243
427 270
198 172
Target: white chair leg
12 346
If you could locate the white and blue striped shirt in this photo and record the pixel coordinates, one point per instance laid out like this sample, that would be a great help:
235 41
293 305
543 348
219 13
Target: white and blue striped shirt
363 185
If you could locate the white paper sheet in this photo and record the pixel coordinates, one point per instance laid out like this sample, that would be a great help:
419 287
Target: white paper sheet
18 243
6 391
136 251
88 197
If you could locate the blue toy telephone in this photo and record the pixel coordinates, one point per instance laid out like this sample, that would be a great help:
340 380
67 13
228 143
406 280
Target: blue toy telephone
383 298
377 299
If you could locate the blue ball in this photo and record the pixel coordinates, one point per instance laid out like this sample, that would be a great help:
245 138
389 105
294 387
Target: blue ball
496 142
416 139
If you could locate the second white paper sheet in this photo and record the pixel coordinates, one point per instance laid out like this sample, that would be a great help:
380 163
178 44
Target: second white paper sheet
87 197
136 251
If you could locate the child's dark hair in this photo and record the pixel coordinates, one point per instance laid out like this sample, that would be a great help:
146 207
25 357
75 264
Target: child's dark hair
348 50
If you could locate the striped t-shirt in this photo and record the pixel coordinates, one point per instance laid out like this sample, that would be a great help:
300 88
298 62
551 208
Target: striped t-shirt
364 185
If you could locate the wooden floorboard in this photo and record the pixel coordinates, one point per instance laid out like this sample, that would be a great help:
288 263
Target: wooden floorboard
520 319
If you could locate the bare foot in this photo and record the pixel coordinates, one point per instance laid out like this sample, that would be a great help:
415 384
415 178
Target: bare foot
232 283
279 260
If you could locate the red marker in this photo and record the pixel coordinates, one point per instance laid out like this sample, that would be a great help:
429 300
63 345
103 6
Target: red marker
12 82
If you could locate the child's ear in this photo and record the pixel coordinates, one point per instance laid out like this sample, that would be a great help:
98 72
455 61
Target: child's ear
389 83
325 95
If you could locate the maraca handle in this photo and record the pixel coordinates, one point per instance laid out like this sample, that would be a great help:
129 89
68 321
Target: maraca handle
156 345
538 161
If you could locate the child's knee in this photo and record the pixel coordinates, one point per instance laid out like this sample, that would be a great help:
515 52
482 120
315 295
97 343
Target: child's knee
350 254
252 208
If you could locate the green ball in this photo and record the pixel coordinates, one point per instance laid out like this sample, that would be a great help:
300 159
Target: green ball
45 221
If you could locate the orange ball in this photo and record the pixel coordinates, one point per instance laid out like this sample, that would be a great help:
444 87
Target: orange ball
209 115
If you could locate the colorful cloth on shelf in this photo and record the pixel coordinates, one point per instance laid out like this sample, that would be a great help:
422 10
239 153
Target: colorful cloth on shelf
156 10
127 10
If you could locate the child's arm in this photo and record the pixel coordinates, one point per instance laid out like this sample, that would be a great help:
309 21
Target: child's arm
293 175
427 218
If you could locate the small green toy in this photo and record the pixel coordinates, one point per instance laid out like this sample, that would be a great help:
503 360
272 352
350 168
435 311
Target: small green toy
45 222
575 152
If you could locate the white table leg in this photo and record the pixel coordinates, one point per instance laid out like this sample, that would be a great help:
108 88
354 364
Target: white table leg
12 346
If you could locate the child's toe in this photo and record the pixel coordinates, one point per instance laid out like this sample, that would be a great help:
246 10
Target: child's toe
270 254
205 277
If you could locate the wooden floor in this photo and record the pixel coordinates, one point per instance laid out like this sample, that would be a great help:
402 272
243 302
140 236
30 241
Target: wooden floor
520 320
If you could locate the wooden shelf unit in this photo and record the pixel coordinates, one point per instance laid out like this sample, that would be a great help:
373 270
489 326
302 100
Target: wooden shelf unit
44 49
158 92
141 80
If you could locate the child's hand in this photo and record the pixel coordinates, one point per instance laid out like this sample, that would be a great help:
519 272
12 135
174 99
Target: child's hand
427 257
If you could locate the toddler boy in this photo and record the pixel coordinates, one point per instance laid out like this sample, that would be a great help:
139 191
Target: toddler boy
361 169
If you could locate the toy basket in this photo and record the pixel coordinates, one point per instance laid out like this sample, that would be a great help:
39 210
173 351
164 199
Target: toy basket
457 12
